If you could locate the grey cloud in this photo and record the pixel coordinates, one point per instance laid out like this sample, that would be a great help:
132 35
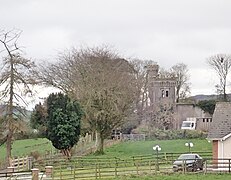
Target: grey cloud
166 31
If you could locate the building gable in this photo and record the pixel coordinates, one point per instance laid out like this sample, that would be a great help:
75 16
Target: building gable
221 125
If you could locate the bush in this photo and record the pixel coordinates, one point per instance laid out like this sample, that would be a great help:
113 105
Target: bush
158 134
35 155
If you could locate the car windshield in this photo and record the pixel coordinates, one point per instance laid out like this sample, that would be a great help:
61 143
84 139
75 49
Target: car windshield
186 124
187 156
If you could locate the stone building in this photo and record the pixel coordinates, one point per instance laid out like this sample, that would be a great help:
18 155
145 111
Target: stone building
161 88
162 91
220 131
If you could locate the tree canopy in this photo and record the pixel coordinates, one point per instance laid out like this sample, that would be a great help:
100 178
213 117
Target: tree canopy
16 79
101 80
63 122
221 64
38 119
180 71
207 105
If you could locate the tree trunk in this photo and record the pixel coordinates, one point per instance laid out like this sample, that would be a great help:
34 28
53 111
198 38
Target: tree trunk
8 148
96 138
224 93
100 143
10 113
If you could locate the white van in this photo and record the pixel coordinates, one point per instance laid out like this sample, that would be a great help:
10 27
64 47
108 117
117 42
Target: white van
189 124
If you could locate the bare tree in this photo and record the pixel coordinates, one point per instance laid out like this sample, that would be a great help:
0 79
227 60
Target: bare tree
180 71
15 78
141 86
101 80
221 63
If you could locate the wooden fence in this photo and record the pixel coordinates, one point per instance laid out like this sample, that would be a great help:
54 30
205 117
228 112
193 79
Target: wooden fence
109 168
83 167
21 163
103 168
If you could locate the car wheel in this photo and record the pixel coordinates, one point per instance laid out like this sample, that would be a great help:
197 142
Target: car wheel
175 170
194 169
189 169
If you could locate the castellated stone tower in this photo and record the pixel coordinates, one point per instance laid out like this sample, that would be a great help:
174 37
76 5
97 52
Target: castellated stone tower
164 112
161 88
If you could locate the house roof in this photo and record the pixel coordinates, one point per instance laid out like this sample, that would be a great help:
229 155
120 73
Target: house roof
221 125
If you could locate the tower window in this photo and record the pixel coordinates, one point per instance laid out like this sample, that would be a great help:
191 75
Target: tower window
166 93
162 93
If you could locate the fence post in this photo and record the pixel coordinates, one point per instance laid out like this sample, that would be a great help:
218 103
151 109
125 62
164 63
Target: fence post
49 171
205 171
229 165
35 174
18 163
99 171
155 167
30 162
26 163
137 168
74 171
150 166
116 164
10 162
183 166
96 171
10 171
60 171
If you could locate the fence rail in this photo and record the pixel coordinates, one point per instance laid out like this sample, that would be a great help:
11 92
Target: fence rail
21 163
118 167
83 167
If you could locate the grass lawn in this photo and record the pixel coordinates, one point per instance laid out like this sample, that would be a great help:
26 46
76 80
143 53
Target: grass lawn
178 177
26 146
122 150
131 148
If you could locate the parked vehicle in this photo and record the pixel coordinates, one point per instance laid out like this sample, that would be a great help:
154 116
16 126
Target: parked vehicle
191 163
190 124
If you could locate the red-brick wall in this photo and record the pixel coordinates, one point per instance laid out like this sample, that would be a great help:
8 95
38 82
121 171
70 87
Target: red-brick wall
215 151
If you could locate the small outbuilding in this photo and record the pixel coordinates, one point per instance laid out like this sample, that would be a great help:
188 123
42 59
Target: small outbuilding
220 131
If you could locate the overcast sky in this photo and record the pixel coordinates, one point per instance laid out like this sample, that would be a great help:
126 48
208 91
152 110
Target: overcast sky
166 31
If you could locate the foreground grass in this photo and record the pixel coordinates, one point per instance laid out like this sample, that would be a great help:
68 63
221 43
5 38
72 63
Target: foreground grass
178 177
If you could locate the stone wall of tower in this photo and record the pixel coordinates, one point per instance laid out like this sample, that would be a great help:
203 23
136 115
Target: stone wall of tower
153 71
161 89
164 90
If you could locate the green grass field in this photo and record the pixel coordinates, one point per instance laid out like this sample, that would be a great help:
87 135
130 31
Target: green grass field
178 177
25 147
122 150
129 148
